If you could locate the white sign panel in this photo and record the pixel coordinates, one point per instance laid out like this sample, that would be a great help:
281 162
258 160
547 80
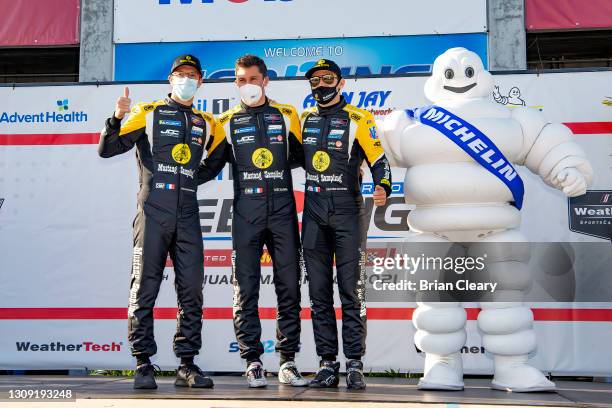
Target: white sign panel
66 217
138 21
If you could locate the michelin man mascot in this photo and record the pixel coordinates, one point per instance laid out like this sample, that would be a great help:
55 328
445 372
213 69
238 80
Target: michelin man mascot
460 155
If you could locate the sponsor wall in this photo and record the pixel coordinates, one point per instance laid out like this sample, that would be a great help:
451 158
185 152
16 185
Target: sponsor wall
140 21
66 217
291 58
292 34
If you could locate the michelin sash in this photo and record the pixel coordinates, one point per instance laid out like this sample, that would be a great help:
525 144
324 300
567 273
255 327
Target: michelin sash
473 142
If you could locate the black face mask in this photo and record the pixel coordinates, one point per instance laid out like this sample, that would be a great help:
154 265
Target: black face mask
324 94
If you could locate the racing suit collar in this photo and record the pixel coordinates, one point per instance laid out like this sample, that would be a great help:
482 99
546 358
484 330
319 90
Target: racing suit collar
171 102
256 109
328 110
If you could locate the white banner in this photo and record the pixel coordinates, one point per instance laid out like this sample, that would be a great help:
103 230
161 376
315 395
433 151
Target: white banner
66 217
139 21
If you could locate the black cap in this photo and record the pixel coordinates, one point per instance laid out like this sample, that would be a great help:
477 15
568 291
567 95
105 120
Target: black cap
325 64
187 60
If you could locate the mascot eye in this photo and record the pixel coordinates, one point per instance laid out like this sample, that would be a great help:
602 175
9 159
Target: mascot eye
449 74
469 72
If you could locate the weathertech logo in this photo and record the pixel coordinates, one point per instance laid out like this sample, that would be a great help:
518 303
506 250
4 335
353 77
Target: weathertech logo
87 346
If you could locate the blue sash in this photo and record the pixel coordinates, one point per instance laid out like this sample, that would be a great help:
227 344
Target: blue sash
473 142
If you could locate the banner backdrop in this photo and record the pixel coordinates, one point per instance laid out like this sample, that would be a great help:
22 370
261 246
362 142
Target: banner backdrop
66 217
140 21
291 58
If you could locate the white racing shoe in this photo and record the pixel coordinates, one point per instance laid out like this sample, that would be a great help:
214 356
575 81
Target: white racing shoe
442 373
256 376
513 374
289 374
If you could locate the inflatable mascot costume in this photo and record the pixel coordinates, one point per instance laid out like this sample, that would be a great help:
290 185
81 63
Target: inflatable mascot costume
459 155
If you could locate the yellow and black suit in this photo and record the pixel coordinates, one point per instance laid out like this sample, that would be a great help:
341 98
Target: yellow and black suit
336 141
170 139
262 144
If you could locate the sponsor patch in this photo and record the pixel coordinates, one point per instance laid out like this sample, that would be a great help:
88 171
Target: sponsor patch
335 134
276 139
244 130
373 134
164 186
181 153
262 158
175 123
170 133
320 161
197 120
311 140
337 122
167 168
244 120
245 139
273 118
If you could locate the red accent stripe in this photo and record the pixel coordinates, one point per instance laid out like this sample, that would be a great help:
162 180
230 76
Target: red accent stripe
590 128
269 313
49 139
578 128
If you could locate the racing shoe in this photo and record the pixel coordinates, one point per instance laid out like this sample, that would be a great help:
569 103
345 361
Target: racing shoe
289 374
190 375
354 375
328 375
144 379
256 376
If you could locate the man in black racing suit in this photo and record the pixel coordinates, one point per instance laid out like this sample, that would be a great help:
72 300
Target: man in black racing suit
337 137
170 137
262 142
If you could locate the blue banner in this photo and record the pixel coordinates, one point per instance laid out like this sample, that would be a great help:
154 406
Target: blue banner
475 143
291 58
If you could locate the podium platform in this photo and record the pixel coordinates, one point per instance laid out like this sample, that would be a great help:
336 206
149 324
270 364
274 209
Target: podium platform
232 392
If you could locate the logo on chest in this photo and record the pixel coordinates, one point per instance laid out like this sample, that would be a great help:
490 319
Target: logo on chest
181 153
320 161
262 158
249 129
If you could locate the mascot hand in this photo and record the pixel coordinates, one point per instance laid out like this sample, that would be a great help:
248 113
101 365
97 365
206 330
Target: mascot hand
572 182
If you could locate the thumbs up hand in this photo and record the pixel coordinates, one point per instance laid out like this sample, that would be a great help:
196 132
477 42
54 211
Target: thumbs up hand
123 105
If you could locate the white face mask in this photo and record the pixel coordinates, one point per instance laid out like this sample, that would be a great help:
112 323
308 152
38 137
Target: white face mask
250 94
184 88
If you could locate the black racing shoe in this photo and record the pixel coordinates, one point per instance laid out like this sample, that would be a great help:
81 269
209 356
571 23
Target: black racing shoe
328 375
190 375
354 375
145 377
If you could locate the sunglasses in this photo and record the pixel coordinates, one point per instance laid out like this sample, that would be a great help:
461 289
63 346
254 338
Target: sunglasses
328 79
185 75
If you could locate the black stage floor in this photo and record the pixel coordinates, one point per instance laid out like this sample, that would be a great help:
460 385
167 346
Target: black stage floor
380 390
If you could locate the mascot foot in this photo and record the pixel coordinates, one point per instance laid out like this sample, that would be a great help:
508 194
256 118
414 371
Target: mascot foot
442 373
512 373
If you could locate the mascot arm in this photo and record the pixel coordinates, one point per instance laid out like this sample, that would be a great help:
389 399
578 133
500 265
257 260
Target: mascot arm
549 151
392 129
